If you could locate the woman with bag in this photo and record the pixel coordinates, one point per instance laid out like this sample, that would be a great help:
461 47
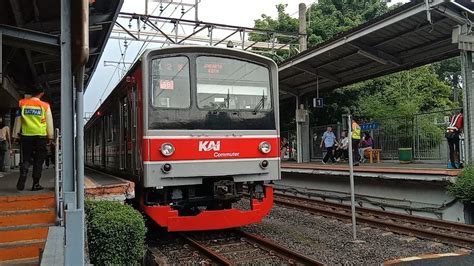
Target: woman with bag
452 135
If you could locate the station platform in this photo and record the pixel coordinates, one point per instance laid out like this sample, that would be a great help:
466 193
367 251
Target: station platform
416 188
98 185
383 170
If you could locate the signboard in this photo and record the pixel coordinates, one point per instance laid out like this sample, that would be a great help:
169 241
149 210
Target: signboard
318 102
369 126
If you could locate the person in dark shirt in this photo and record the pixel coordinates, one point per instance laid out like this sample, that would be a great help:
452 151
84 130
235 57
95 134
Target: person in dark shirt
284 147
366 144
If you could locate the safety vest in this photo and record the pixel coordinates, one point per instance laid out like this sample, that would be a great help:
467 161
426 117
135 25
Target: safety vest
33 114
355 131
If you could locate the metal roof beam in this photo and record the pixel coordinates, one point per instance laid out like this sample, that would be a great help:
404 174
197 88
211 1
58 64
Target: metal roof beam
55 24
412 31
376 54
317 72
45 58
30 40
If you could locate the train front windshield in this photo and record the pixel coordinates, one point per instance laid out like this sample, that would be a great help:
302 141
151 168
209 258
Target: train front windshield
230 84
222 88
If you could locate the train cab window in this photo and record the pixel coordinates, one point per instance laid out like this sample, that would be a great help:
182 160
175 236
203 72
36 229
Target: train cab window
231 84
170 83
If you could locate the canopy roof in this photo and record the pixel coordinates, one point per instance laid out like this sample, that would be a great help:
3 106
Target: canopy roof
31 45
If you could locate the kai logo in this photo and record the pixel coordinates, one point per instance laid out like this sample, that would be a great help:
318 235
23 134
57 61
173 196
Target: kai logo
206 145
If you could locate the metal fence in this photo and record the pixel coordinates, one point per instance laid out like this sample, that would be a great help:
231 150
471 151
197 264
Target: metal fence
423 132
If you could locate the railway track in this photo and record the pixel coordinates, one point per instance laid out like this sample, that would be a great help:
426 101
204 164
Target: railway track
236 247
443 231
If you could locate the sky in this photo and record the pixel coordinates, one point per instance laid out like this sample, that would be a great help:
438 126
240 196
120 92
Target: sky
231 12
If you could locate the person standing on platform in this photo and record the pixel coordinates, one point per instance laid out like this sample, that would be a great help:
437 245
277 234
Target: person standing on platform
329 139
5 144
34 128
284 147
342 148
452 135
355 142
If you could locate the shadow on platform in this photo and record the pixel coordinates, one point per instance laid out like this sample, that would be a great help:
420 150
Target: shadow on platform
9 180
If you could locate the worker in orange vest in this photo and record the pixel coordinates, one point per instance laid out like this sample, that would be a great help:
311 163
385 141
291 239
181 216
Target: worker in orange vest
34 128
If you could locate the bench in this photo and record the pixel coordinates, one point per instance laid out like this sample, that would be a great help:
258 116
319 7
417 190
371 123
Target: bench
373 154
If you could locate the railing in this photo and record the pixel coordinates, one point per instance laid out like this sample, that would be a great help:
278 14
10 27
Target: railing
58 180
423 132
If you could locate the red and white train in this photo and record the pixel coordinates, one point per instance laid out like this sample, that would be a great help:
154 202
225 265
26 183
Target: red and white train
190 126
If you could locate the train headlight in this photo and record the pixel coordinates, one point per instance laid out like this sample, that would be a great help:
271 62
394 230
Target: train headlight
167 149
265 147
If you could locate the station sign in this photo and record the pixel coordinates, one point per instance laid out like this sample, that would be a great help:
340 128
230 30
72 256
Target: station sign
318 102
370 126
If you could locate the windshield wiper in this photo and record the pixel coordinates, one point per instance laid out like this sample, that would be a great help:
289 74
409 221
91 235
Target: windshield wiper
259 105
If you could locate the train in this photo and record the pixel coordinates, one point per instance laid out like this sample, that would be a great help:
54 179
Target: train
196 128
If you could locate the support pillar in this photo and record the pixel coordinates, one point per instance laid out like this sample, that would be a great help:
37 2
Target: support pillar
74 217
67 102
302 27
468 105
303 144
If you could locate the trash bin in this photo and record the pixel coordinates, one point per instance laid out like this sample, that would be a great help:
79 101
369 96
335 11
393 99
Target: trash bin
405 155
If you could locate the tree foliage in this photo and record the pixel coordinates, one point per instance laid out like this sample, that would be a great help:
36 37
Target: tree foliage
330 17
404 93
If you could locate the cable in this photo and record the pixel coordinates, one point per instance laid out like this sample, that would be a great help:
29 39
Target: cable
111 77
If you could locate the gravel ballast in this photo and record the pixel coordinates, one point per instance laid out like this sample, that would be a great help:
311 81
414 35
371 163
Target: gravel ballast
330 241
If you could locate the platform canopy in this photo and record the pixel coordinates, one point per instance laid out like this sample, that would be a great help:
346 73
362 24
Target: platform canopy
30 32
415 34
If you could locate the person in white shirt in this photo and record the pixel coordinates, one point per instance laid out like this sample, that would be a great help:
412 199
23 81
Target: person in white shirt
342 151
5 143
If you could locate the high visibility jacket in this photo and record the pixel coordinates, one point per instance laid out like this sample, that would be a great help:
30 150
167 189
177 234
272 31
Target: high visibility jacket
33 116
355 131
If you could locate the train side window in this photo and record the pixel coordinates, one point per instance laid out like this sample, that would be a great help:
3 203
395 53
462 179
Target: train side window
109 128
170 84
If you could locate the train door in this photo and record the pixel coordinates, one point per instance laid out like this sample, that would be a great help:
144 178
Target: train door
133 128
125 138
103 154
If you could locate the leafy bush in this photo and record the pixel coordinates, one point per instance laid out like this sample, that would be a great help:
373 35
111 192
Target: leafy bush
115 233
463 188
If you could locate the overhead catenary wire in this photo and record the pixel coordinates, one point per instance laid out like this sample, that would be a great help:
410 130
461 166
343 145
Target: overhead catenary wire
123 55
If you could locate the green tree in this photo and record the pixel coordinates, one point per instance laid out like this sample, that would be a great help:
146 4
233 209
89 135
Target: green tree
450 71
283 23
403 94
330 17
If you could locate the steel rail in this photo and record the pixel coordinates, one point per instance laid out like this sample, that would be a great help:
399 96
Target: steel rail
288 253
273 248
391 226
211 254
448 225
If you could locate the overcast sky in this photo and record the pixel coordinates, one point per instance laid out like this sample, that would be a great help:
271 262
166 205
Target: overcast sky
239 13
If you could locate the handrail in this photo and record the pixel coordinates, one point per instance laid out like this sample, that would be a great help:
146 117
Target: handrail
58 191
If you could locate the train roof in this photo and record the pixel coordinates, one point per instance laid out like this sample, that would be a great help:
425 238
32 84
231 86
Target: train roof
181 49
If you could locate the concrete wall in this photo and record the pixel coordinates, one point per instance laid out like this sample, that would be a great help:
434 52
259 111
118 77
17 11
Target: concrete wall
423 198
